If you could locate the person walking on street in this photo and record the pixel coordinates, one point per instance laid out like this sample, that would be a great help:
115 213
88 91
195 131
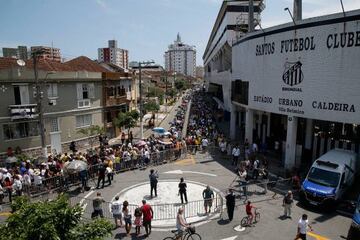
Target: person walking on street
230 204
181 224
109 174
101 176
208 196
235 154
182 191
127 217
287 204
137 221
265 179
116 211
97 205
153 182
147 216
256 168
303 225
243 180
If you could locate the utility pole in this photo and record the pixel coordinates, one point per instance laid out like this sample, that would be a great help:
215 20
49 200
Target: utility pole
39 105
166 83
140 98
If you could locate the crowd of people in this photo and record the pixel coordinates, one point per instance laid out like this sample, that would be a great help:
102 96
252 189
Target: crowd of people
29 176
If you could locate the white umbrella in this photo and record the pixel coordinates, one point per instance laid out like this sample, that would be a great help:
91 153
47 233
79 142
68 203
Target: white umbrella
76 166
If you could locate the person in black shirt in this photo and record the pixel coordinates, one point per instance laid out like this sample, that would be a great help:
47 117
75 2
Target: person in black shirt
230 204
101 176
182 191
153 182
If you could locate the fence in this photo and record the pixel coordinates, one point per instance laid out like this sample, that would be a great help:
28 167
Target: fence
65 181
165 211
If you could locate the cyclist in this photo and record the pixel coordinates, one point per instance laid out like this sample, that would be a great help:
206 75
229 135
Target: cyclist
249 212
181 224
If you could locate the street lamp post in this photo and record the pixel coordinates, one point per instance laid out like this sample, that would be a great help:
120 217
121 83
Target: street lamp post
39 97
166 83
39 106
140 98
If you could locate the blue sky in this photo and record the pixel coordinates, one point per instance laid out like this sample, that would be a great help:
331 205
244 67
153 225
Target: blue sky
144 27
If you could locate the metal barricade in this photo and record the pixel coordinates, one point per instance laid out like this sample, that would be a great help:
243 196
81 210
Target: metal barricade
161 211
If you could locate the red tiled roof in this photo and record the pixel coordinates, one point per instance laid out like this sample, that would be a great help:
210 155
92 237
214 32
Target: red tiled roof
77 64
85 64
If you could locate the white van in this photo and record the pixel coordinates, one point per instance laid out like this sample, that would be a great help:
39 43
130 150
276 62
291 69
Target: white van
329 177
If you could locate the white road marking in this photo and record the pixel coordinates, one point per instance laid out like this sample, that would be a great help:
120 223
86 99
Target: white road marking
82 200
182 172
230 238
239 228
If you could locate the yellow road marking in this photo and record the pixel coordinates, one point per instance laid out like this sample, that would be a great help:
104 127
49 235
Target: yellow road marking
186 161
6 214
316 236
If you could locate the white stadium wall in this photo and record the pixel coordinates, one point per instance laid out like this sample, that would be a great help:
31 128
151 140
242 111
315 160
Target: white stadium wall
310 70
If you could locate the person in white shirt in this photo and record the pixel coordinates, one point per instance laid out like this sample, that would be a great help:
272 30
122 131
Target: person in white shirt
204 143
303 224
256 169
116 211
222 146
181 224
236 154
243 181
17 185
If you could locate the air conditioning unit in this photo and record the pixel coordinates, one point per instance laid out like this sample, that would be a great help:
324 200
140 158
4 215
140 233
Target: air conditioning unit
52 102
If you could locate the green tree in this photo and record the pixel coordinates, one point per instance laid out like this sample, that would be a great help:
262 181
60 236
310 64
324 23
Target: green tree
151 106
171 92
126 120
91 131
51 220
179 84
154 92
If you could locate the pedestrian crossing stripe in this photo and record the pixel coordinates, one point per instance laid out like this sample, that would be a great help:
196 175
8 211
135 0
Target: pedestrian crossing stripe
316 236
186 161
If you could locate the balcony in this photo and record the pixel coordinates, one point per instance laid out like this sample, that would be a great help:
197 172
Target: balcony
115 101
24 111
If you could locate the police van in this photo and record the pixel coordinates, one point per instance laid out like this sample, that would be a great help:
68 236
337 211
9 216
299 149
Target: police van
329 177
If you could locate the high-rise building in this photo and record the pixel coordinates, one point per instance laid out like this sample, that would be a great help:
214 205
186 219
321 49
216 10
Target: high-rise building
113 54
20 52
181 58
47 53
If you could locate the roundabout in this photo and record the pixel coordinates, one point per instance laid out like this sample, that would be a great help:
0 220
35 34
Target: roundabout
167 202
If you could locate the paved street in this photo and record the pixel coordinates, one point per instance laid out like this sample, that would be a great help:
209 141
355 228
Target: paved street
214 170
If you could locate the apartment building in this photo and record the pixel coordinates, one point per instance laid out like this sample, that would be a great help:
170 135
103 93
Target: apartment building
72 99
47 53
113 54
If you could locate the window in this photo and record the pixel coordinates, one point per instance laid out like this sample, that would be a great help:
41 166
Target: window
121 90
52 90
85 90
54 125
20 130
129 88
83 120
111 91
21 94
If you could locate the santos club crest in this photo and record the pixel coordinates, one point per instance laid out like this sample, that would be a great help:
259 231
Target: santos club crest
292 74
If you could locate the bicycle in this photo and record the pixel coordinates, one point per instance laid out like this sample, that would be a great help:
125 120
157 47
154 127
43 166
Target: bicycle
190 234
245 221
